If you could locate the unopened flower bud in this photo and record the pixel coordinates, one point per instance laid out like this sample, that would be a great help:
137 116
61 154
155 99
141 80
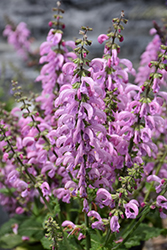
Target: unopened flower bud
110 214
150 64
21 156
121 39
120 195
162 181
143 204
118 50
84 55
50 24
25 238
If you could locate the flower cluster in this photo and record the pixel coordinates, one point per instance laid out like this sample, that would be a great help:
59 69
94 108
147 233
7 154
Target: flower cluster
18 37
92 152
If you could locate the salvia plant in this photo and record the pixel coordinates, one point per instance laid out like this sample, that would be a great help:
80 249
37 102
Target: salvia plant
84 163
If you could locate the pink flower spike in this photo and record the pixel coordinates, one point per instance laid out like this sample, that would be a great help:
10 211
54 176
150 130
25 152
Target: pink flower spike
102 38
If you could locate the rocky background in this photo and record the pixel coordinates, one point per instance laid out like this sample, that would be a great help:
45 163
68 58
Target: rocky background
97 14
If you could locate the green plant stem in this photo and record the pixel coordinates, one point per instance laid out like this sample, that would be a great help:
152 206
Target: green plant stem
88 241
156 173
107 236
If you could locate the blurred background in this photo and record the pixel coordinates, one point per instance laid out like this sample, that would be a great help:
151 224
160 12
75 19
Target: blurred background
97 14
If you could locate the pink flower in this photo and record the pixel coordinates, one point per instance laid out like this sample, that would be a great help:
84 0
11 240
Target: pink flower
53 37
94 214
161 201
103 197
63 194
15 228
68 224
97 224
102 38
28 141
131 209
45 189
157 180
19 210
114 225
5 156
25 238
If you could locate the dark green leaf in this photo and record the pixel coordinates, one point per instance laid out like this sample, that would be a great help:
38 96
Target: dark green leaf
143 233
31 227
6 228
7 191
46 243
10 240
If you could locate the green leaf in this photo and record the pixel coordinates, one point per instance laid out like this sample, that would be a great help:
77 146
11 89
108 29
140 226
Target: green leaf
46 243
10 241
7 191
96 243
35 246
143 233
135 241
164 231
6 228
31 227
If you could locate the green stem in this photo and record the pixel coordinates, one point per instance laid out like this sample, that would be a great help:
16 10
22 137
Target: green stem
88 241
107 236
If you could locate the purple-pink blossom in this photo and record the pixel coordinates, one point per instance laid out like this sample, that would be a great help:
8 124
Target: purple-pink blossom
114 225
102 38
131 209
